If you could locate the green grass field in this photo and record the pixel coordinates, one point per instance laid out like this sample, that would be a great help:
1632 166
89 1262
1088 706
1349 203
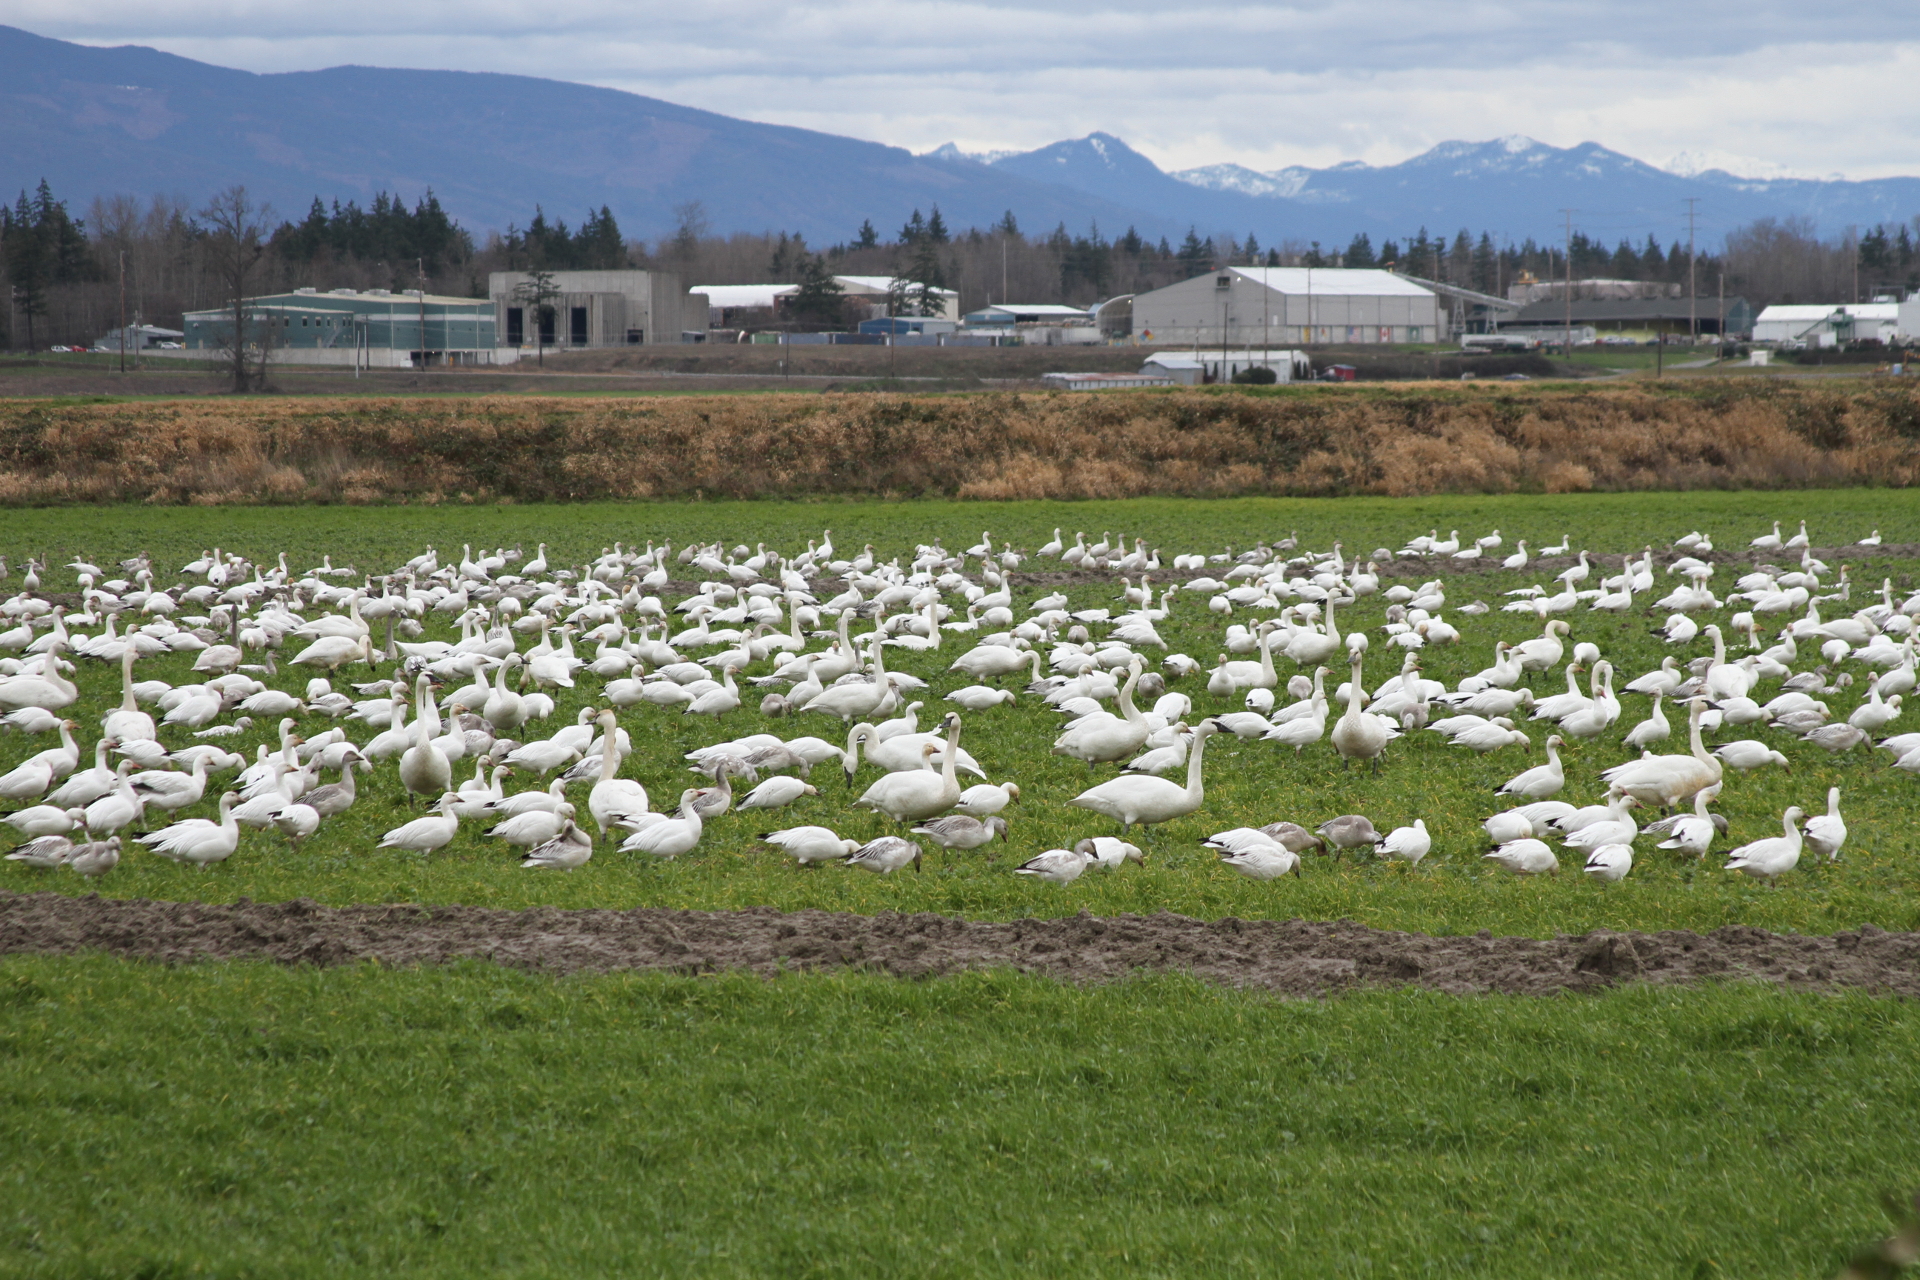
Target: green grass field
242 1120
1248 783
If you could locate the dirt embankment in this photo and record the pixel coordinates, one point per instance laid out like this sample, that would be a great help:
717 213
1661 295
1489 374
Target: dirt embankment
1212 442
1294 957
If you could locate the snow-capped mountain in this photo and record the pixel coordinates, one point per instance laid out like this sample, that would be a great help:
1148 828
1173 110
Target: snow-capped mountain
1514 186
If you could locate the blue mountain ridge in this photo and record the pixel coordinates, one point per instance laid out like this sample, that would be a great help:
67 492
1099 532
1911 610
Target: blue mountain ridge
131 120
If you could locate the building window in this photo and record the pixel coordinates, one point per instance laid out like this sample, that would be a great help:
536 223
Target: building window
577 327
636 337
1223 282
516 326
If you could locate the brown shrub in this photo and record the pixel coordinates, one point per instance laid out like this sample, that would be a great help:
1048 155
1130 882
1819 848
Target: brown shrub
998 446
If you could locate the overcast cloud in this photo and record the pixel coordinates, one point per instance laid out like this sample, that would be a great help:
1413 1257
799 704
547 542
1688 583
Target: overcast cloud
1758 86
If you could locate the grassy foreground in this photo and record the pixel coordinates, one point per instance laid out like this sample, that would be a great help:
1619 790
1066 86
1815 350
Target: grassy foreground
1250 783
246 1120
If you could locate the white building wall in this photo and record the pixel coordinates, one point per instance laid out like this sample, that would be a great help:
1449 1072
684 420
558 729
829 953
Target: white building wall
1242 311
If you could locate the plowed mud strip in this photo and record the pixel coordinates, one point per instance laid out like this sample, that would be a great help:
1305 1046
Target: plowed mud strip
1294 957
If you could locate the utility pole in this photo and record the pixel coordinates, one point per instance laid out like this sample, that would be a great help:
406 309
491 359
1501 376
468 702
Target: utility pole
123 311
1693 310
1569 264
1853 243
420 265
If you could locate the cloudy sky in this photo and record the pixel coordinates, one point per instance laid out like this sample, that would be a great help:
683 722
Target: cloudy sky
1761 87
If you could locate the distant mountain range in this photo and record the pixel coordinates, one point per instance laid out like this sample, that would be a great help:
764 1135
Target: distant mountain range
132 120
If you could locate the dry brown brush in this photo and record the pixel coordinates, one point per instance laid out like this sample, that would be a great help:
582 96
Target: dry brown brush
1399 441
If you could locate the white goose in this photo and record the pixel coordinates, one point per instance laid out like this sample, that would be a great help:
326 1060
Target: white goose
198 841
1772 858
910 797
1666 781
1137 798
424 835
811 846
1357 735
612 797
1541 781
665 837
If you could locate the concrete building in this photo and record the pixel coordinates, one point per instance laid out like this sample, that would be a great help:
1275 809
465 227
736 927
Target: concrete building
1829 325
598 309
1266 305
376 329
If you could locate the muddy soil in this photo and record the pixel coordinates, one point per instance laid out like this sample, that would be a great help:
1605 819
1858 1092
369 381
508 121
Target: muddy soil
1295 957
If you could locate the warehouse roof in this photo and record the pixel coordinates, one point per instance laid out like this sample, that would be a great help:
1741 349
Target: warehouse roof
743 295
1353 281
1624 310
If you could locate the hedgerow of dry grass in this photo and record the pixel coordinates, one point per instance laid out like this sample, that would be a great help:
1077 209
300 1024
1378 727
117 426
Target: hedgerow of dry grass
995 446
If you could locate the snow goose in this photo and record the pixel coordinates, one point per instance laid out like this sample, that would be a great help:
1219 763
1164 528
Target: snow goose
979 697
198 841
1653 729
1827 832
1527 857
1617 827
43 853
1692 832
1350 831
45 820
986 799
424 835
885 855
1056 866
1103 737
776 793
1268 861
536 826
1111 852
1771 858
118 808
27 781
169 792
665 837
811 846
1135 798
1408 844
1747 755
46 689
296 822
1491 736
1543 651
1503 828
959 831
96 858
569 850
1609 863
1541 781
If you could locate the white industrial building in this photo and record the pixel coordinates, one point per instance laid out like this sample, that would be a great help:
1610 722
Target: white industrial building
1825 325
1217 365
596 309
1266 306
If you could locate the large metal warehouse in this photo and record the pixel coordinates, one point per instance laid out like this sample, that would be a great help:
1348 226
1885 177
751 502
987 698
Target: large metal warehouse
1287 306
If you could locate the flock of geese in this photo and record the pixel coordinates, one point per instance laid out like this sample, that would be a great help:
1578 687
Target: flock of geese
750 635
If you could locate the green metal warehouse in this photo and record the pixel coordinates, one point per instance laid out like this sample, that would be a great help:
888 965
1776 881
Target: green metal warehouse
375 328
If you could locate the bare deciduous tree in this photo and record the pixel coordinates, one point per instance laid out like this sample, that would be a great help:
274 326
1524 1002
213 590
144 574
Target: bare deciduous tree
236 239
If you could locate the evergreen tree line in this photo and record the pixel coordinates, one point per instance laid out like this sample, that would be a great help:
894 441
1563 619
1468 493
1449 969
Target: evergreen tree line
62 274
